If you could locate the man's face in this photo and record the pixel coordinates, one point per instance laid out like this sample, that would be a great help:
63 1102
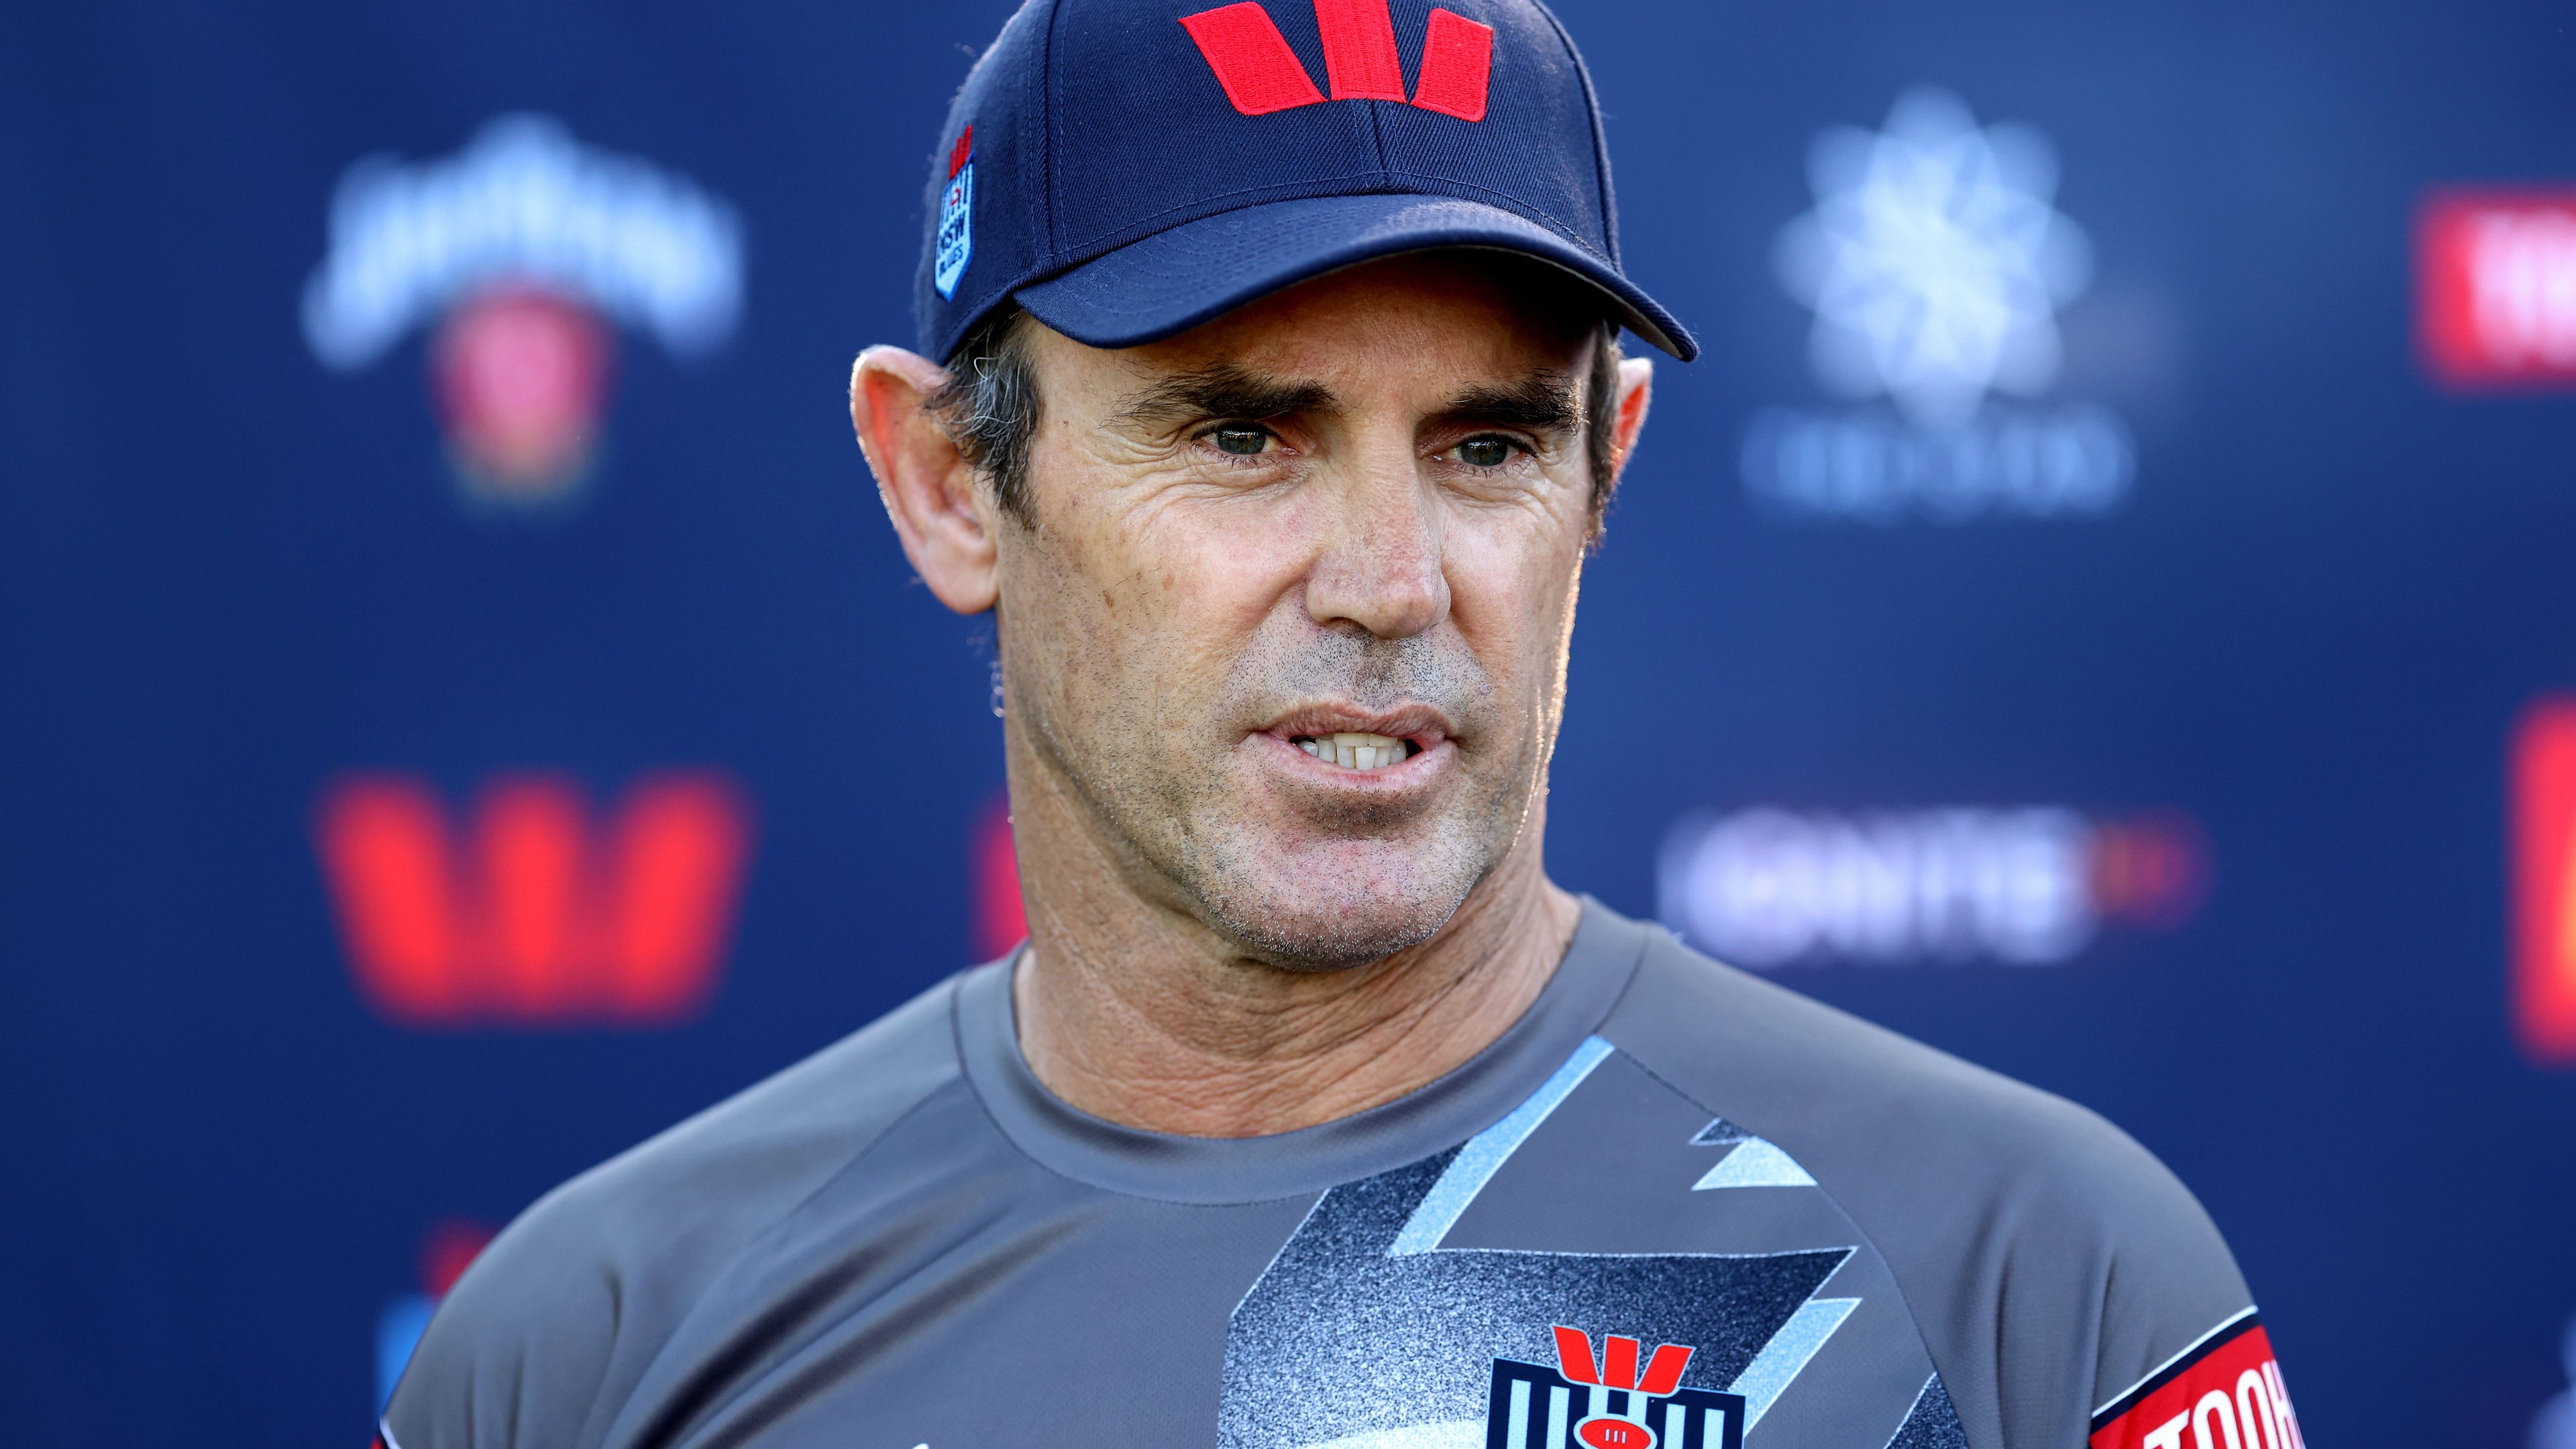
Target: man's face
1355 508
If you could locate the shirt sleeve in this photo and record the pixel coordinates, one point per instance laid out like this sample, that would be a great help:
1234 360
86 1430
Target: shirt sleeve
518 1351
547 1339
2224 1388
2183 1360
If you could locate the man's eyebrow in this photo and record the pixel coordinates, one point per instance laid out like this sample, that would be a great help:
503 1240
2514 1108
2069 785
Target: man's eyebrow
1222 390
1545 400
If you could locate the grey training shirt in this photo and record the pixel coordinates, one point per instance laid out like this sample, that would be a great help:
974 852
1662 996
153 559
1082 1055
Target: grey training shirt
1673 1207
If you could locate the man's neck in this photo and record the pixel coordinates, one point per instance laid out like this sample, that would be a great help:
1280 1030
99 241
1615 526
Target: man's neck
1143 1017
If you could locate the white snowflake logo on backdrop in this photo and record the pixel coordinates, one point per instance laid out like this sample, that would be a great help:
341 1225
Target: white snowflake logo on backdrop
1934 259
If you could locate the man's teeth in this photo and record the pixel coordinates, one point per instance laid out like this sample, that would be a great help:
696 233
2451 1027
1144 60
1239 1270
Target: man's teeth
1354 751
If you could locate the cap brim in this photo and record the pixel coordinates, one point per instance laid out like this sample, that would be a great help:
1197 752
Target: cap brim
1174 280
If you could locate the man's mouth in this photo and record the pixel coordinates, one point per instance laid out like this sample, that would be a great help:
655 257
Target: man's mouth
1355 751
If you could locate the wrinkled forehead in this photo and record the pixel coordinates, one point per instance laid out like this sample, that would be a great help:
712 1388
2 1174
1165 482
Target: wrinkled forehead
1422 322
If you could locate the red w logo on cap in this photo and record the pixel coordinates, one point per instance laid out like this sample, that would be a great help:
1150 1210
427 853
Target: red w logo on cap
1261 74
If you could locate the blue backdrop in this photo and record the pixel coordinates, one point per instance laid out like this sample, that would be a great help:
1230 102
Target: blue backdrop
2062 617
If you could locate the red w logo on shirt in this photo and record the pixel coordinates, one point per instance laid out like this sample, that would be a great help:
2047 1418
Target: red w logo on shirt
1618 1367
1261 74
534 916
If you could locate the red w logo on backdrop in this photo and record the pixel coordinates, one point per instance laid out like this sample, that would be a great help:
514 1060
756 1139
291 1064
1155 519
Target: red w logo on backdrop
2543 811
999 919
2496 288
531 914
1261 74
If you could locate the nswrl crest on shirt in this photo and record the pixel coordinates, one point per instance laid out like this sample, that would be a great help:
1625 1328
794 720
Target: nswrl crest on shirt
1352 1331
1616 1403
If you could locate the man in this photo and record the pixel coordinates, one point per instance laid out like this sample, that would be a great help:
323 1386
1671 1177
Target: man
1274 418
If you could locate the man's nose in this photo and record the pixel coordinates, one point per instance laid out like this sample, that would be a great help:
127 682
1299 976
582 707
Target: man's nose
1380 566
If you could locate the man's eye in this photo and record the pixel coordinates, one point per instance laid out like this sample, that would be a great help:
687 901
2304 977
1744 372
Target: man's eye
1241 440
1485 452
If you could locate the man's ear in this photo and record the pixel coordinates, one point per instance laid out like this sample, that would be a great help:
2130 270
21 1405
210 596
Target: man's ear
939 509
1636 387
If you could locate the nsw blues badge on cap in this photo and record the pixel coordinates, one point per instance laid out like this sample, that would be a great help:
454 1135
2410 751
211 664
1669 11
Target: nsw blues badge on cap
955 241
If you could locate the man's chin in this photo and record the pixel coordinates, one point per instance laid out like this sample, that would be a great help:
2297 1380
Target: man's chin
1333 925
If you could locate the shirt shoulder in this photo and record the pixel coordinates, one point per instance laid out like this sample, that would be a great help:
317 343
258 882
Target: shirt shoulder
2049 1261
570 1303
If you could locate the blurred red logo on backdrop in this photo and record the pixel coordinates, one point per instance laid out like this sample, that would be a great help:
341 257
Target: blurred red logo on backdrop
2496 288
523 248
530 913
2543 792
1000 915
522 375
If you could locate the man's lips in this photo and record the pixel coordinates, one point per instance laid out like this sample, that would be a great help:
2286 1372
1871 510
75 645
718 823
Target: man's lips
1349 741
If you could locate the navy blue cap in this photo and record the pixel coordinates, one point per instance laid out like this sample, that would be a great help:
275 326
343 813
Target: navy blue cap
1128 169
